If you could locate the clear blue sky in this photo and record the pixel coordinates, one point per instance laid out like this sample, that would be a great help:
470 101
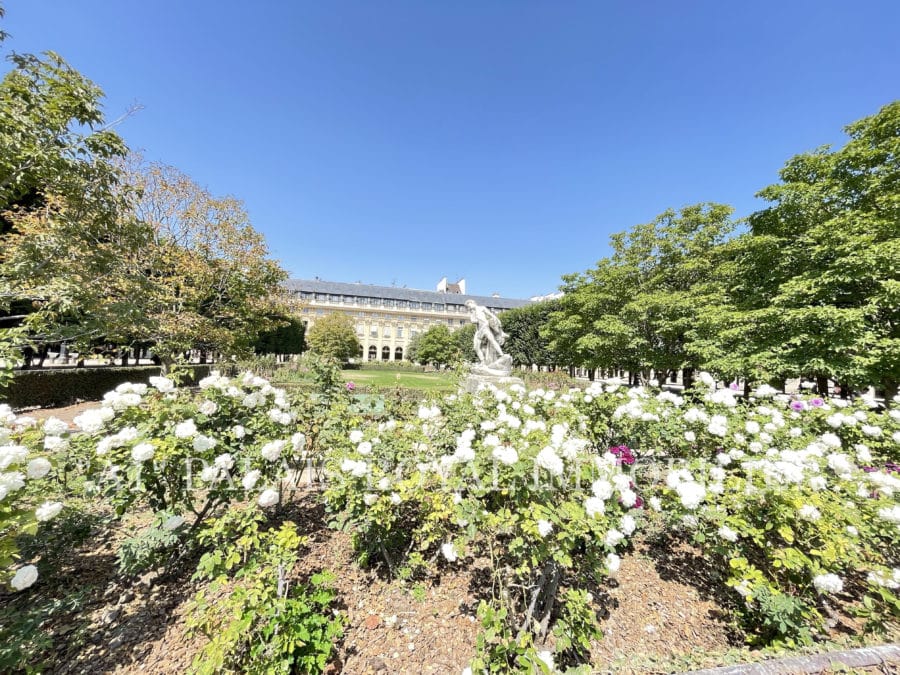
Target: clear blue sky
500 141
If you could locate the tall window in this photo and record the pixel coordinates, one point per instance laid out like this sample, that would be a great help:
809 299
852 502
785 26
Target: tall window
399 331
385 353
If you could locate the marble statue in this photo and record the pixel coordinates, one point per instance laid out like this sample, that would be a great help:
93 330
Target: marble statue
488 342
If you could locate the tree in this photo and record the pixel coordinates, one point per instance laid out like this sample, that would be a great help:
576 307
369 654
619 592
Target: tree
205 278
334 336
638 309
59 206
465 343
437 346
287 338
817 288
525 343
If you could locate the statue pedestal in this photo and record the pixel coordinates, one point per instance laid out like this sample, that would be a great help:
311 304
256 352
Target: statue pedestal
475 381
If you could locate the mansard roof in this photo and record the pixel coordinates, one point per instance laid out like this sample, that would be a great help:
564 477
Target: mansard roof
395 293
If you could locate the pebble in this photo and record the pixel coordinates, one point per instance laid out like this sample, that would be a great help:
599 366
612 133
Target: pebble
111 615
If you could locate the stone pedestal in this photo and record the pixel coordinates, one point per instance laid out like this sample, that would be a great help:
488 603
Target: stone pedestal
474 382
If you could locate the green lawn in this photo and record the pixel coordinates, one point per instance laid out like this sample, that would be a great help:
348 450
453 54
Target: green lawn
399 378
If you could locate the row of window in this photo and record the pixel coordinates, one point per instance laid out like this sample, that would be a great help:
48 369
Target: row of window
388 303
372 354
373 331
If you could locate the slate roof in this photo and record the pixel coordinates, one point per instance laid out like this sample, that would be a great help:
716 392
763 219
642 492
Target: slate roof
394 293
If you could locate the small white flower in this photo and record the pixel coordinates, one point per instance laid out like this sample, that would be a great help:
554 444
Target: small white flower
24 577
364 448
38 468
728 534
613 562
163 384
370 498
203 443
852 531
545 527
224 461
210 474
268 498
691 494
690 436
549 460
828 583
47 510
356 436
185 429
54 426
613 537
238 431
810 513
449 552
272 450
250 479
594 506
142 452
208 408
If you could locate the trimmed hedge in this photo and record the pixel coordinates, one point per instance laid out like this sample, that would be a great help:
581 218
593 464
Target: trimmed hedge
53 387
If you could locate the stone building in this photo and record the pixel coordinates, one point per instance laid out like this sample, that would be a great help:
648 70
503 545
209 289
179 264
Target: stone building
387 317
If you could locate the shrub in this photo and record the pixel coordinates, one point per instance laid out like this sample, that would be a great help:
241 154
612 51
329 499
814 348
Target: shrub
503 476
60 386
263 623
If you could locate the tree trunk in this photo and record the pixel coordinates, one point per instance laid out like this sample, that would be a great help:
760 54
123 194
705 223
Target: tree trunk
822 385
165 364
747 388
591 373
687 378
890 391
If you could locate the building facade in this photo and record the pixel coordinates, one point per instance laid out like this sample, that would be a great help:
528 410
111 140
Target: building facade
387 317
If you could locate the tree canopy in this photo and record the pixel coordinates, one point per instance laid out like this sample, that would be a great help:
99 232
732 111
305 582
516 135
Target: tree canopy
334 336
437 346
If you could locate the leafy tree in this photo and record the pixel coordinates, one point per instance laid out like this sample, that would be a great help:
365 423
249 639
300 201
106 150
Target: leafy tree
59 207
334 336
465 341
638 308
818 290
205 279
287 338
525 342
437 346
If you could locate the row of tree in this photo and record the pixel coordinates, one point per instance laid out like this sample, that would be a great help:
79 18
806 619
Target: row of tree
99 246
807 287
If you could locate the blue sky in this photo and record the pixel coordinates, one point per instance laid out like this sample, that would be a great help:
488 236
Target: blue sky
398 142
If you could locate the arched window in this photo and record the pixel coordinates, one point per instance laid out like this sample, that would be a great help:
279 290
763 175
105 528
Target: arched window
373 353
385 353
398 354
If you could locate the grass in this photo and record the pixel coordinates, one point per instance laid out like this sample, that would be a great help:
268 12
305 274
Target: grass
399 378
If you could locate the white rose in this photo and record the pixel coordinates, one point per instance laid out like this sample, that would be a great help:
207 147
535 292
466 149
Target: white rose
24 577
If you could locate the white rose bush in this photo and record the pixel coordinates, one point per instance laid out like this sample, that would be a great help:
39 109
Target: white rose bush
538 494
503 477
796 498
26 447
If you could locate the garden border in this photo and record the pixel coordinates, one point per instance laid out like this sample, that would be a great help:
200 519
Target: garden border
861 657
